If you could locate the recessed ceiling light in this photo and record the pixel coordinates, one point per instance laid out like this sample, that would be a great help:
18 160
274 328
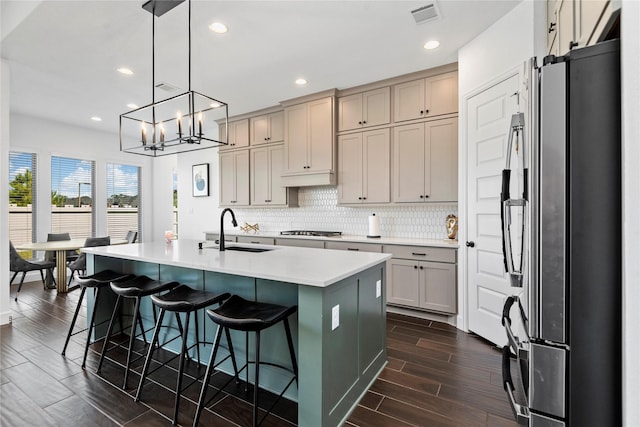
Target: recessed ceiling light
132 105
215 105
301 82
218 27
125 71
431 44
96 119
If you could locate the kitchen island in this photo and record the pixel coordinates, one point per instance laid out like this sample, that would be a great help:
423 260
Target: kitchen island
339 332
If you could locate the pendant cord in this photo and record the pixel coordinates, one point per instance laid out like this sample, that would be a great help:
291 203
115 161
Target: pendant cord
189 45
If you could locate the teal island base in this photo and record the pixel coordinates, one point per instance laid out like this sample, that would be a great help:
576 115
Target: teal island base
338 332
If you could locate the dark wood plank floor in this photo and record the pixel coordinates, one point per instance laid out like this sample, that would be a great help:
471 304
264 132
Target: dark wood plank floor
436 376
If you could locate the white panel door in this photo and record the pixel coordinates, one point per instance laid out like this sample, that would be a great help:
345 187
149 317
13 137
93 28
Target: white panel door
489 117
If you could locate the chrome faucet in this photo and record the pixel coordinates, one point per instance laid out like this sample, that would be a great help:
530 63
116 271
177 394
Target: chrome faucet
233 221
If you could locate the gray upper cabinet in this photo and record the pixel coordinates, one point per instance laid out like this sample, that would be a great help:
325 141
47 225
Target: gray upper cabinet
267 128
366 109
364 167
266 181
424 98
238 135
425 162
234 178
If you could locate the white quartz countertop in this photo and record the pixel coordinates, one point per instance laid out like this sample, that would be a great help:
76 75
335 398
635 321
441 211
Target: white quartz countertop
305 266
439 243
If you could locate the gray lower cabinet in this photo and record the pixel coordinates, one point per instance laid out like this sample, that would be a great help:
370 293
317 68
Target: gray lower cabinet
302 243
421 280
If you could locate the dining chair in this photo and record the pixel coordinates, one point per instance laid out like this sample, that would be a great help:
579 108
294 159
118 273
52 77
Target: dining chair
80 264
17 264
131 236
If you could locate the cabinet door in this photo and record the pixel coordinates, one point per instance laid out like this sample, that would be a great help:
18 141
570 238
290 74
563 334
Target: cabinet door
408 163
350 168
441 158
565 25
240 133
296 125
276 127
376 107
350 112
242 178
277 193
227 179
587 15
552 25
259 130
260 176
438 286
408 100
441 94
403 282
376 173
320 135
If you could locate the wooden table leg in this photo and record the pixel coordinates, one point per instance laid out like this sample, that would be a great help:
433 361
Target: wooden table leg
61 270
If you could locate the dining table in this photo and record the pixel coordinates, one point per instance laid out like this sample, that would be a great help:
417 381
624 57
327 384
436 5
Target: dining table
61 247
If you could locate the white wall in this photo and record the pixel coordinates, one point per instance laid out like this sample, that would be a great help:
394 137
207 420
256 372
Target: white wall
630 35
4 193
501 49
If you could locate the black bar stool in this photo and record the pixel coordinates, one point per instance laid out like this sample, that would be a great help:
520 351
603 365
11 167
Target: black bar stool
181 299
136 288
249 316
97 282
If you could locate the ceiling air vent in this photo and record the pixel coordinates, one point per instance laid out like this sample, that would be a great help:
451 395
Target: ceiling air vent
425 13
166 87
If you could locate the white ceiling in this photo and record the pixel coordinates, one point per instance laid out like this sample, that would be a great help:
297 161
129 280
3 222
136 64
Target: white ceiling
64 54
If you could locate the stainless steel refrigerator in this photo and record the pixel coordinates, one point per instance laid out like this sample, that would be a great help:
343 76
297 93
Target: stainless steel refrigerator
566 331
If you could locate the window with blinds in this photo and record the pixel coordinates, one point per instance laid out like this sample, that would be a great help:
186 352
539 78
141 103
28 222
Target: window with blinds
123 196
22 197
72 201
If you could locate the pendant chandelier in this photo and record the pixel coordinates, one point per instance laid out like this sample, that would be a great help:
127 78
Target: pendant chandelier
186 122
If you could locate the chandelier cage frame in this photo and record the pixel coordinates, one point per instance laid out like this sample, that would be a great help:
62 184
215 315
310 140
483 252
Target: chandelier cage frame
181 123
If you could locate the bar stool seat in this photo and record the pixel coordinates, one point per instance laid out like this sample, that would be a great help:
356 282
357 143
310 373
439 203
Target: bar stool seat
249 316
97 281
182 299
136 288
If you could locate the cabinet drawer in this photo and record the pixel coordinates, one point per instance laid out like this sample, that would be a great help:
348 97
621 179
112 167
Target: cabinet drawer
256 240
422 253
302 243
349 246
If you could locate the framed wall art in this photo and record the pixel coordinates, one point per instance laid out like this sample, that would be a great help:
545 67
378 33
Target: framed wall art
200 182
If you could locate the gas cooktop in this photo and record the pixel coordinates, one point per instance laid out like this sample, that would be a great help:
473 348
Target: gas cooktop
311 233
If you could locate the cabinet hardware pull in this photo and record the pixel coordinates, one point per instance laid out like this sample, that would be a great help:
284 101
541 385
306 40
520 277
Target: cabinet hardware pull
364 198
552 27
421 268
360 122
257 243
421 196
364 122
353 249
359 198
265 138
415 267
471 244
572 44
426 111
421 112
418 254
426 197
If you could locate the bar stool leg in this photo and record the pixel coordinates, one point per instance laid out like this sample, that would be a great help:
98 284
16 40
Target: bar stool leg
132 337
207 375
256 378
233 356
246 361
183 353
292 352
109 331
73 322
147 361
92 324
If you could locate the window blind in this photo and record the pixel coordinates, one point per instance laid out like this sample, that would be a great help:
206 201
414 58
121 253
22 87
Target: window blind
123 200
72 201
22 197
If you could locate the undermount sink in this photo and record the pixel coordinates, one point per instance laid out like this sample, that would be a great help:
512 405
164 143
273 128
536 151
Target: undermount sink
245 249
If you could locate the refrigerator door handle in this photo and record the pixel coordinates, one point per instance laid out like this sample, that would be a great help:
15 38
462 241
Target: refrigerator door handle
520 412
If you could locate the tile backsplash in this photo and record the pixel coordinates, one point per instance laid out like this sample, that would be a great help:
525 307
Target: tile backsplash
319 211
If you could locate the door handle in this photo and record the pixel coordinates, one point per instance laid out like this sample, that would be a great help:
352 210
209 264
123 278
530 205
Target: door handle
470 244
